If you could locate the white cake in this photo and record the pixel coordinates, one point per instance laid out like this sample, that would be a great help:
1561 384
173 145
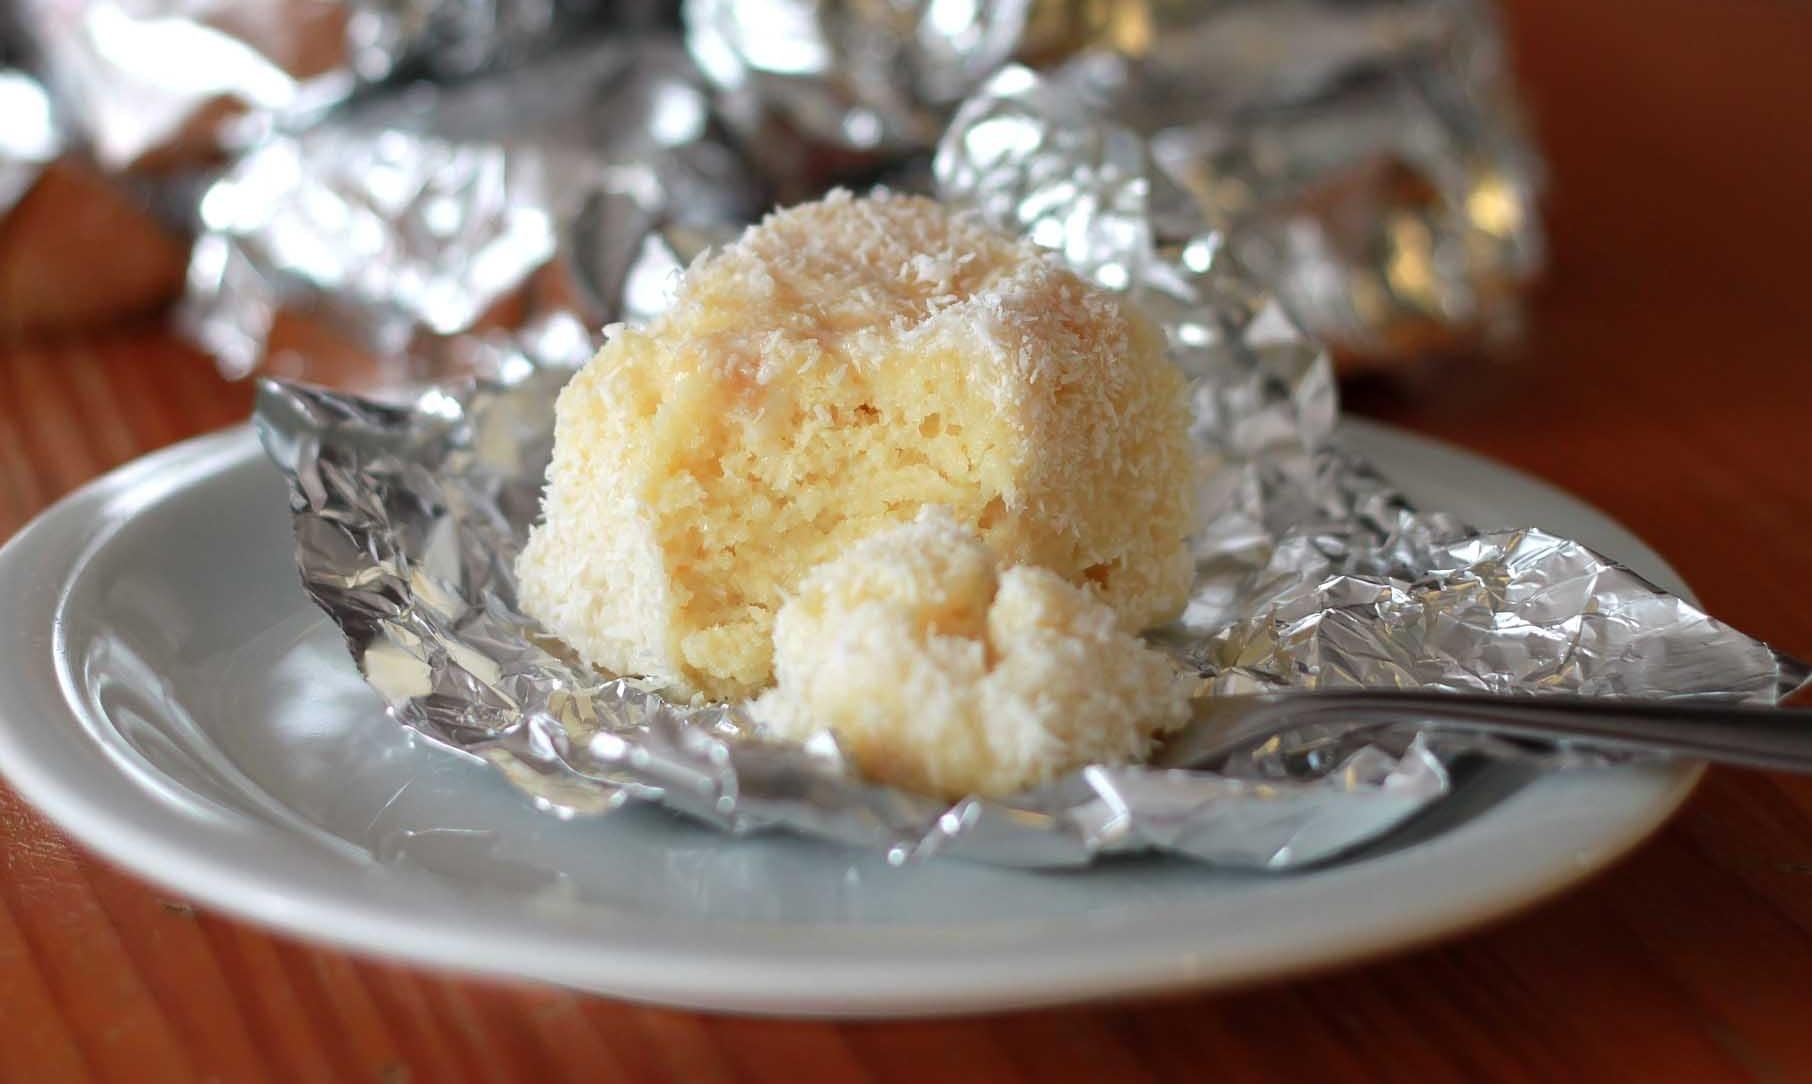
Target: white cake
843 364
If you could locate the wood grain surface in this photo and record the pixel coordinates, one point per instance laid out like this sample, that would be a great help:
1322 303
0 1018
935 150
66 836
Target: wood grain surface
1667 378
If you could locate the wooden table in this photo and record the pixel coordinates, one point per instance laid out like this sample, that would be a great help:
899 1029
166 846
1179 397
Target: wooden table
1667 378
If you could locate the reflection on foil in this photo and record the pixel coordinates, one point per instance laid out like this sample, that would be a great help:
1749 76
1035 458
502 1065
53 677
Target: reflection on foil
29 136
164 82
1310 571
818 88
450 230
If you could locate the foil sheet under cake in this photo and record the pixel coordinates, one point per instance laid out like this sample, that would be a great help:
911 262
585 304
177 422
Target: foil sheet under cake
1312 572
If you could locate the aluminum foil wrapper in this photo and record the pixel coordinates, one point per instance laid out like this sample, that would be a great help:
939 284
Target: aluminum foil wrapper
156 83
1311 572
409 519
448 230
823 90
1366 157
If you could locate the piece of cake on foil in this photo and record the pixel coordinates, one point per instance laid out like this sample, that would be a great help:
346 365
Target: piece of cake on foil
939 672
843 364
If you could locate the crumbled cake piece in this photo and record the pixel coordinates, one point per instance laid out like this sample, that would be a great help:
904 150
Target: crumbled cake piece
843 364
942 674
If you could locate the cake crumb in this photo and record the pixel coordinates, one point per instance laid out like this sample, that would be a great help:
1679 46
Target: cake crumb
938 672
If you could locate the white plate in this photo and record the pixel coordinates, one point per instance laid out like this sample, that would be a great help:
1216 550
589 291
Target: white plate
171 698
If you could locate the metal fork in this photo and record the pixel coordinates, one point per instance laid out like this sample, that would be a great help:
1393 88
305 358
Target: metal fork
1777 738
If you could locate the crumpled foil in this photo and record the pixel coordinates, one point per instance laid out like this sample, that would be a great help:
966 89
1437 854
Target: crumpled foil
1368 161
1311 572
448 230
820 90
1366 157
170 82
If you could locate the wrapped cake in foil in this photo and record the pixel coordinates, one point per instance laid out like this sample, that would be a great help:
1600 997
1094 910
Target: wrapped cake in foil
1312 572
445 230
1367 158
167 82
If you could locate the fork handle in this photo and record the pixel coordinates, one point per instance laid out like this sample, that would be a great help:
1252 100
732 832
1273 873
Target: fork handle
1758 737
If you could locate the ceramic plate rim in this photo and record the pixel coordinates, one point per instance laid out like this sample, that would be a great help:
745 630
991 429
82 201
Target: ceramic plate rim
53 753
